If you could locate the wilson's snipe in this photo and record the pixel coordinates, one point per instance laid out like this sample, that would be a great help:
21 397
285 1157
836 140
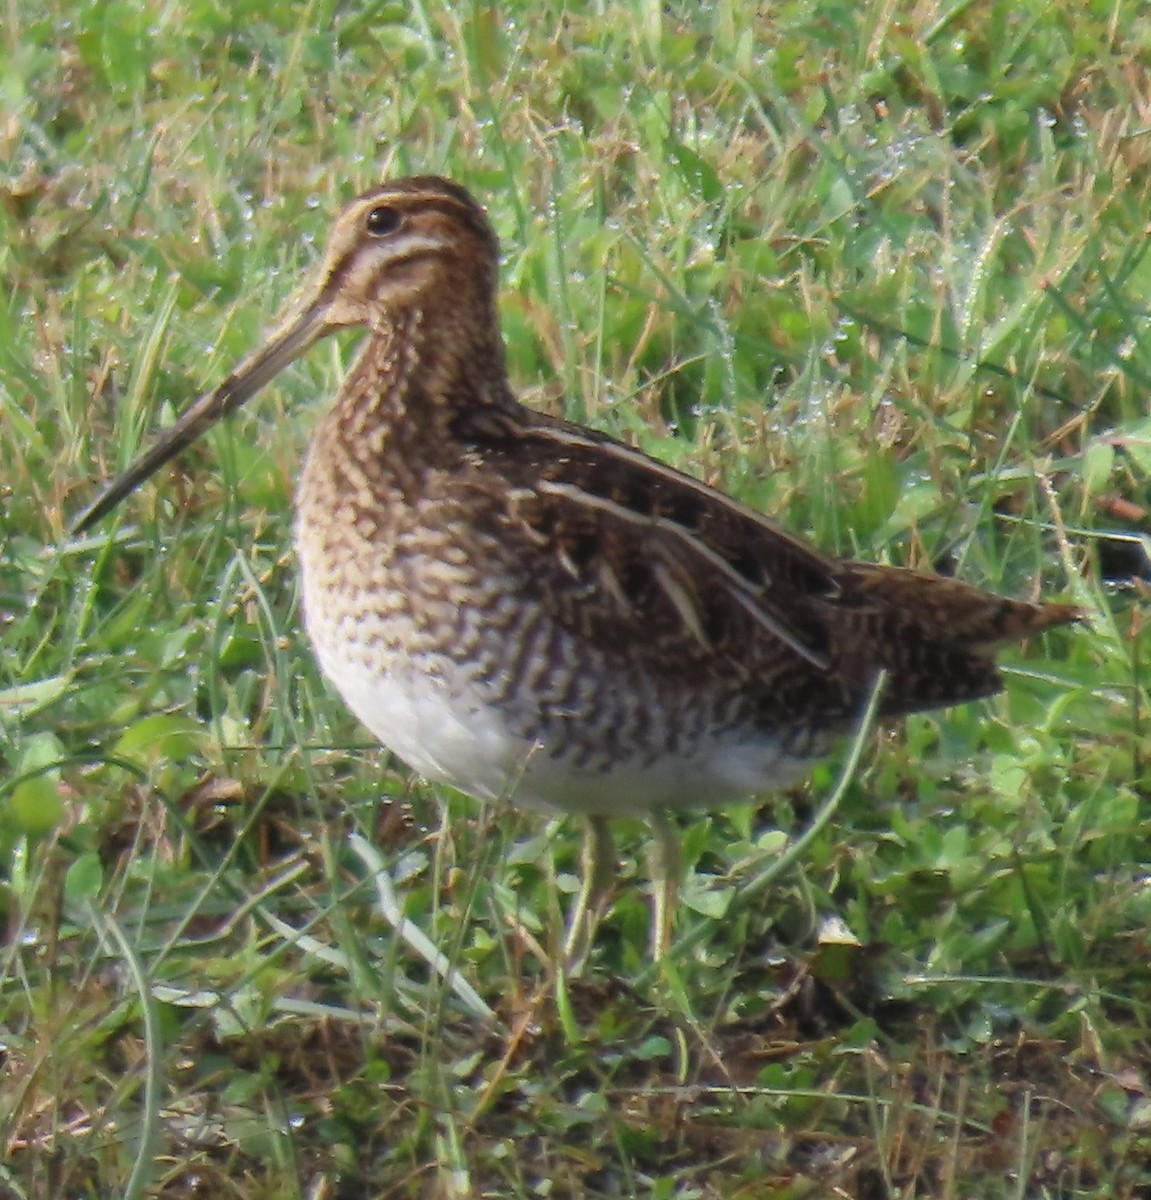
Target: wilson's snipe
524 608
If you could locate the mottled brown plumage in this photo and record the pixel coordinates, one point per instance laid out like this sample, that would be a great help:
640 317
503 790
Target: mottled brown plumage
528 609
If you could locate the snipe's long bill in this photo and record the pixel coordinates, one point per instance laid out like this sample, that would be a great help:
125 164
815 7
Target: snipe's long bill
529 610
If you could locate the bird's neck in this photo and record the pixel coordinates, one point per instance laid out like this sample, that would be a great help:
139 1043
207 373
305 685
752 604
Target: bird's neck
424 366
403 397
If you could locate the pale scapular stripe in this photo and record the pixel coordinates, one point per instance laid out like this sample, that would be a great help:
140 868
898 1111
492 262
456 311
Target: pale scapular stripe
740 590
684 605
631 460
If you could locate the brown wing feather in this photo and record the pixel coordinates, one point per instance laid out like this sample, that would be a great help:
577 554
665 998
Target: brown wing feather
674 576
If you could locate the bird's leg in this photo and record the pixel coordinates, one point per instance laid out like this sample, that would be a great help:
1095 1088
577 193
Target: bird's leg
665 868
598 868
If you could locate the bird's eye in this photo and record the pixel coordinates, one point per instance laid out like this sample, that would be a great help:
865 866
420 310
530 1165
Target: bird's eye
382 221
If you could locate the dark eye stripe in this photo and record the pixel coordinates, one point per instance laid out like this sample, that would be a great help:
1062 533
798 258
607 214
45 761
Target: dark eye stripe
462 210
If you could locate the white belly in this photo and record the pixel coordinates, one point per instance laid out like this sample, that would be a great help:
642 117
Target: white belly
440 723
423 717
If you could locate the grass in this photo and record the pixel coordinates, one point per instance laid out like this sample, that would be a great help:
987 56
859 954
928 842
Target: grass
881 272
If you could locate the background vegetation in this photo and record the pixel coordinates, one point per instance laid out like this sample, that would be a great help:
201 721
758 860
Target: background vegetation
878 269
